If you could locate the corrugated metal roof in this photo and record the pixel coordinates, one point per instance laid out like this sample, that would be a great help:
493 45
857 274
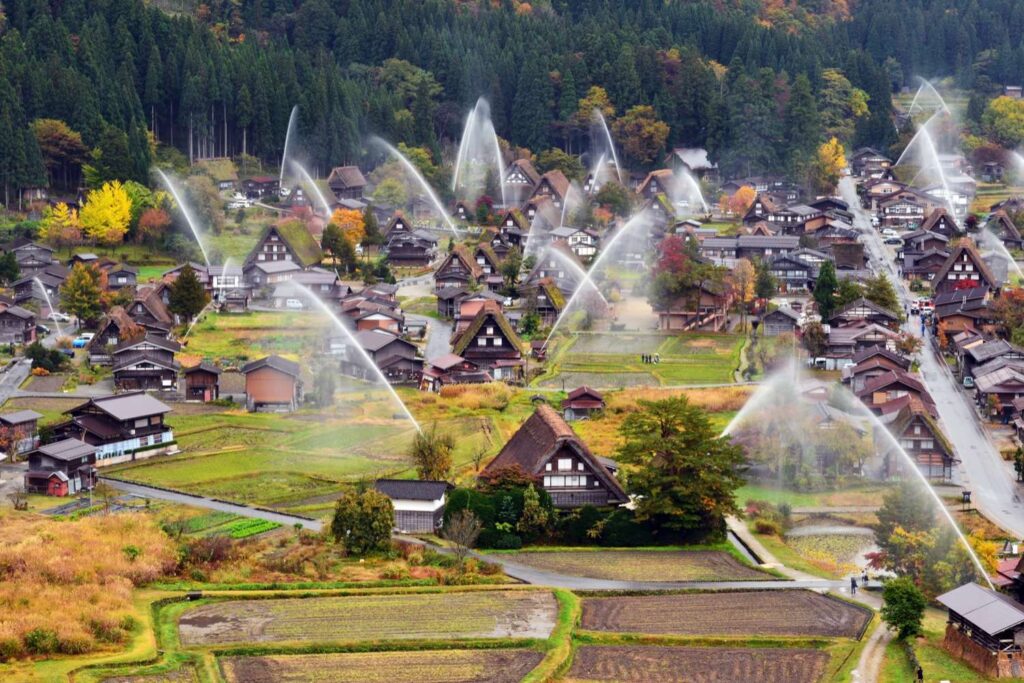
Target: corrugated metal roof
991 612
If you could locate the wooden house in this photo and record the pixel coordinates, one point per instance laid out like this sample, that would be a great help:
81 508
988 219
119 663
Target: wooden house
999 388
32 257
405 245
582 241
418 504
880 189
693 160
760 209
202 382
116 327
892 385
384 319
962 309
964 269
451 369
31 288
17 325
61 468
121 276
272 384
844 342
656 183
868 162
287 241
490 342
146 362
261 274
941 222
549 300
458 269
346 182
149 310
123 427
783 320
546 447
24 429
706 307
1002 226
521 179
920 436
985 629
513 227
552 185
792 273
395 357
864 310
905 208
581 403
261 186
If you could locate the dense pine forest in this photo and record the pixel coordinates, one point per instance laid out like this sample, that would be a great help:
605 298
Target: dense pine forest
757 83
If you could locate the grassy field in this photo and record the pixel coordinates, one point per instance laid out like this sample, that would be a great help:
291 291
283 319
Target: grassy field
642 565
597 359
444 666
471 614
937 664
235 338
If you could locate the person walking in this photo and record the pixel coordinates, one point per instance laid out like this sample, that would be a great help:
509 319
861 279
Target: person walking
853 585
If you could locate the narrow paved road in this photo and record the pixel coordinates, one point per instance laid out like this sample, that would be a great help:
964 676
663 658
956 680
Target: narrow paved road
439 334
515 570
983 471
12 379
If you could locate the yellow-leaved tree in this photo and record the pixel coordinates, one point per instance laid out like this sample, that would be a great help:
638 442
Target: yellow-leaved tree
107 213
351 224
60 226
829 165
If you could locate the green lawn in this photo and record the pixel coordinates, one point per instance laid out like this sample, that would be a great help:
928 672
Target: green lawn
686 359
937 664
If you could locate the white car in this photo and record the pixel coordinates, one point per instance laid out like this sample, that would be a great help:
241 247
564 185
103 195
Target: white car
60 317
295 304
889 232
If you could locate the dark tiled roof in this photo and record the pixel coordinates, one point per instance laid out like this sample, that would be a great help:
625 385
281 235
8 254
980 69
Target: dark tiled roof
19 417
204 366
412 489
127 406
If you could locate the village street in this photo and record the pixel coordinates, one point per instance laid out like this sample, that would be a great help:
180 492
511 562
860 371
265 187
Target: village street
983 472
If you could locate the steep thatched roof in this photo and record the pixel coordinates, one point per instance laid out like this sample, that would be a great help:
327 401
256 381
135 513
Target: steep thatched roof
490 310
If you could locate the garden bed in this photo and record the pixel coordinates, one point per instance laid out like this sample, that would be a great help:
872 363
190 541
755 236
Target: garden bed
762 613
444 666
698 664
642 565
474 614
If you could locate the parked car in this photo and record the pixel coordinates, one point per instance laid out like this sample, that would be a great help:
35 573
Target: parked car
295 304
889 232
82 339
59 317
42 329
968 382
895 241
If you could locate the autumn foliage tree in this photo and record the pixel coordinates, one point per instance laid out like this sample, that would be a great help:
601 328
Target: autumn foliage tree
153 225
107 213
351 224
641 134
739 202
831 161
60 226
81 294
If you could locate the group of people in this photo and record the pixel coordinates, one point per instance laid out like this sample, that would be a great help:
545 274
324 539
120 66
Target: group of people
649 358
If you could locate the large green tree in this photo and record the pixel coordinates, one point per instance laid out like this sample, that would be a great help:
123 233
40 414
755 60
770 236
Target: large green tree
684 473
81 293
187 295
825 290
363 521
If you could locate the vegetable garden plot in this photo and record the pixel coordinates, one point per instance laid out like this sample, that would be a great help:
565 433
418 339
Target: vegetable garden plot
444 666
643 565
698 664
477 614
764 613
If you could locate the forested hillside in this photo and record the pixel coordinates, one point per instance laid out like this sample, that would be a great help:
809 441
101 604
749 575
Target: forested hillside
220 78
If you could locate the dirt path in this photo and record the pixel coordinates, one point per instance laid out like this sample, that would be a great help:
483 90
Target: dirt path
871 657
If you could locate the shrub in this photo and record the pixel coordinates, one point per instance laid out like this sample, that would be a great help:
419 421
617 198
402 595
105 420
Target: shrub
40 372
767 527
622 530
41 641
507 541
394 572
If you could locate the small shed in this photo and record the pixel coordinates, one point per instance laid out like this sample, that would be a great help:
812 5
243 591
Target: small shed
24 429
272 384
780 321
581 403
985 629
419 505
202 382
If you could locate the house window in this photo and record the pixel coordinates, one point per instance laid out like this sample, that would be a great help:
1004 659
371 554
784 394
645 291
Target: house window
497 341
480 341
548 467
927 443
917 429
580 466
564 464
490 330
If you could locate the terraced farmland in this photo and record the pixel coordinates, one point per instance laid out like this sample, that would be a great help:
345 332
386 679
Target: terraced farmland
447 666
643 565
697 665
765 613
476 614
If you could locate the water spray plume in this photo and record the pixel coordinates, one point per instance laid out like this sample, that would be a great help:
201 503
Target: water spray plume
309 182
638 220
183 207
565 261
923 139
49 304
354 344
686 188
289 131
776 404
599 118
424 185
996 245
927 88
479 141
